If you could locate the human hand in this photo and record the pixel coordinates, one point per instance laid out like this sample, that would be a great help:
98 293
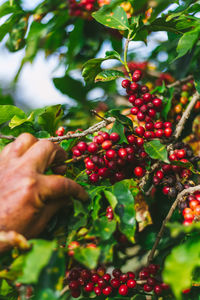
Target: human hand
28 198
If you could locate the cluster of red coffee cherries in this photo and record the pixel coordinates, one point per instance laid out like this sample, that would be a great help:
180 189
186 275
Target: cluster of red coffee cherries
60 131
124 284
191 209
109 213
107 159
171 176
81 8
153 130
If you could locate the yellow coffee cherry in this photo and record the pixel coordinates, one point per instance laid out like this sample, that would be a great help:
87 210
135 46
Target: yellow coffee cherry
183 100
178 109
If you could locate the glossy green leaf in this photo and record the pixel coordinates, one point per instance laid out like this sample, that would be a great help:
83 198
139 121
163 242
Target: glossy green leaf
108 75
180 264
93 67
49 118
167 103
120 118
17 120
116 18
87 256
187 41
125 208
187 165
156 150
111 199
7 112
103 228
41 253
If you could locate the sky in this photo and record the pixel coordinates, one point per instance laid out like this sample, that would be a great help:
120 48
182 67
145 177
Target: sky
35 87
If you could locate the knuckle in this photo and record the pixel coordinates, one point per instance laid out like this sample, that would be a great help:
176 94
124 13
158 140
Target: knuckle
27 136
46 144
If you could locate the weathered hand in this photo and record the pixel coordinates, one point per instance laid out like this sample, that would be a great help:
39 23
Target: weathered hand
28 198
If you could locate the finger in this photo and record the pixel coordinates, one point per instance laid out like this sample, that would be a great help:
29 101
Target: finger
61 170
59 187
41 155
19 146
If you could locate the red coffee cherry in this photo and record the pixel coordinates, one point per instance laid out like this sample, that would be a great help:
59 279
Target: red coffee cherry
160 174
137 75
104 134
90 165
114 137
134 86
107 290
77 152
143 274
131 99
116 273
126 83
97 290
181 153
74 285
147 97
92 147
76 293
166 190
123 290
131 275
140 130
157 103
99 139
115 283
82 146
147 288
140 142
131 283
158 290
101 283
151 112
123 278
138 102
138 171
151 281
85 274
94 178
144 108
159 133
168 132
134 110
140 116
107 276
167 124
95 278
89 287
122 153
149 126
131 139
111 154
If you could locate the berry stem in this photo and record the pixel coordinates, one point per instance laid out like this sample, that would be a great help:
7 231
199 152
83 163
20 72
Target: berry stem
180 196
125 55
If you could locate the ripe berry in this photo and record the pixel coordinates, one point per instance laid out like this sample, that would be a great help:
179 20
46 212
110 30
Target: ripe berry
166 190
159 133
157 103
166 168
111 154
116 273
158 125
123 290
90 165
144 89
197 210
151 112
156 180
138 171
131 275
147 288
76 293
134 110
74 285
140 130
167 124
82 146
131 139
131 99
147 97
137 75
110 216
89 287
168 132
181 153
143 108
114 137
143 274
74 274
122 153
138 102
115 283
85 274
123 278
97 290
103 172
148 134
140 116
107 290
134 86
151 281
149 125
131 283
99 139
106 277
160 174
186 291
95 278
92 147
140 142
172 157
77 152
101 283
119 176
126 83
157 290
106 145
164 286
94 178
104 134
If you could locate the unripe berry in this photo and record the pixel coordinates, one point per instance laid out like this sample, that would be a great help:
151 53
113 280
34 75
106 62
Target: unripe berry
126 83
101 271
92 147
134 110
114 137
106 145
82 146
140 130
123 290
138 171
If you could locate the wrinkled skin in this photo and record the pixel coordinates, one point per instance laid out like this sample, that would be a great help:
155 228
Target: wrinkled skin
28 198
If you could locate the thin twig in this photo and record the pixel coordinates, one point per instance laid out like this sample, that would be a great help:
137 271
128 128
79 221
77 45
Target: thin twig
7 137
96 114
125 56
179 198
180 82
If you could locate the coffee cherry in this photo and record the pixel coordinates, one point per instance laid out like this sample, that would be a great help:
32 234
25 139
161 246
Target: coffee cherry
159 133
138 171
95 278
140 130
74 274
144 89
148 134
156 180
126 83
140 116
197 210
134 110
119 176
147 97
147 288
153 269
106 145
140 142
89 287
131 283
77 152
76 294
123 290
138 102
103 172
151 281
114 137
85 274
115 283
107 290
166 190
131 99
181 153
82 146
99 139
158 125
131 275
157 103
92 147
143 154
116 273
168 132
164 286
122 153
158 290
137 75
104 134
166 168
160 174
149 125
74 285
131 139
187 291
94 178
101 283
123 278
106 277
97 290
134 86
90 165
151 112
111 154
101 271
172 157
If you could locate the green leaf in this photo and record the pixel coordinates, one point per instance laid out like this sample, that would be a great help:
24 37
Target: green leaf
156 150
7 112
176 228
93 67
167 103
87 256
108 75
111 199
116 18
103 228
187 41
49 118
6 9
125 208
120 118
119 128
17 120
187 165
175 273
41 253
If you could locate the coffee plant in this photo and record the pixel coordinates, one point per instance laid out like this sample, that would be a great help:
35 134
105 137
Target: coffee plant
135 150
